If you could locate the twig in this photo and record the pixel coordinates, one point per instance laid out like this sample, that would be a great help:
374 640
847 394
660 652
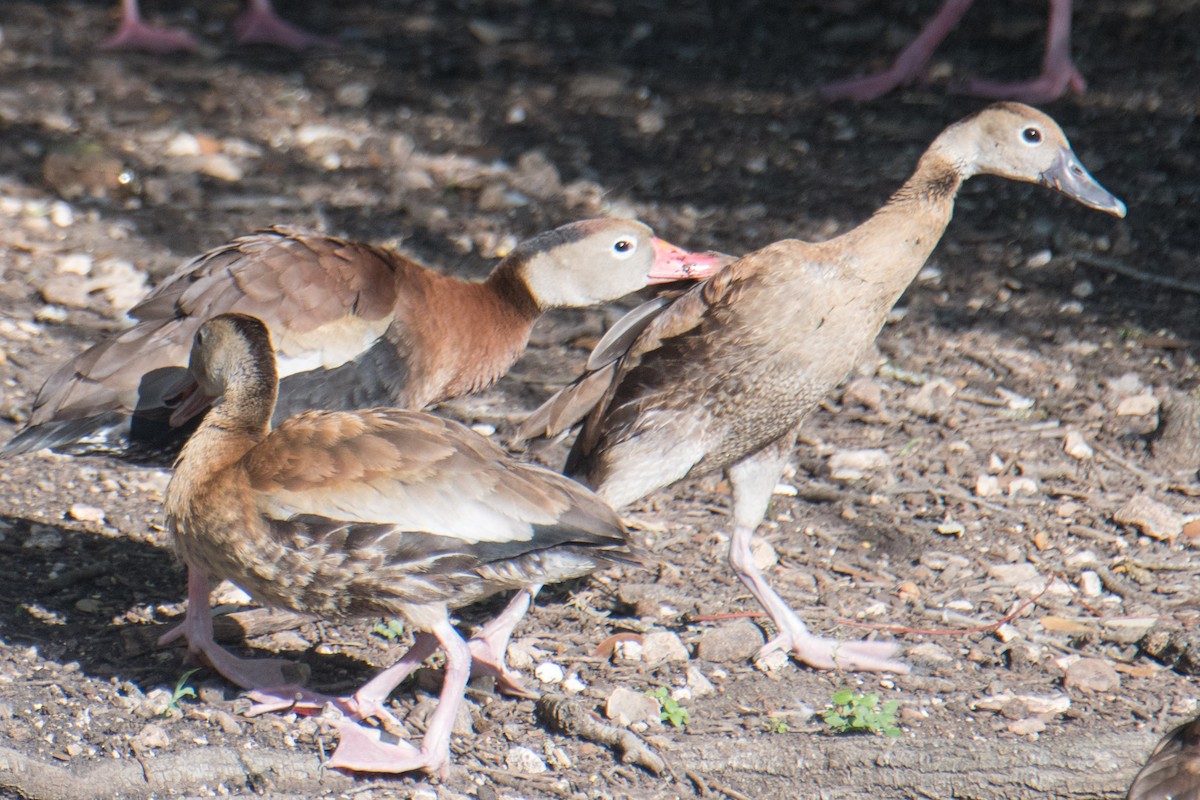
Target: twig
562 714
1121 268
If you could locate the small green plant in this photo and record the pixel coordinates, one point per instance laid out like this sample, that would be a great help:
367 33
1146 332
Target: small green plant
851 712
182 690
669 710
389 629
777 724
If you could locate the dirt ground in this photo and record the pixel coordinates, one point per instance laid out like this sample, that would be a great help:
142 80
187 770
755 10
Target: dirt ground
1032 389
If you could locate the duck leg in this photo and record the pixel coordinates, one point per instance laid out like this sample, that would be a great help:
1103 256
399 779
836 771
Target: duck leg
753 479
1058 70
197 628
490 644
363 749
134 34
259 24
908 66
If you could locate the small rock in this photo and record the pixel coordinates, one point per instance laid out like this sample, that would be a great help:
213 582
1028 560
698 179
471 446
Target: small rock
549 672
225 721
1027 726
928 653
932 399
523 760
151 736
1045 704
852 465
700 685
354 94
156 703
661 647
1138 406
1089 584
734 641
573 685
627 651
763 554
1076 446
1154 519
74 264
43 537
61 214
864 392
1022 486
625 706
772 662
183 145
1013 574
987 486
86 513
1092 675
650 122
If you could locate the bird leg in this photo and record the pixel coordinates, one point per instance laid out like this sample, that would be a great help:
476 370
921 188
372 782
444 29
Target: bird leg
259 24
365 703
490 643
363 749
134 34
197 628
753 479
1058 70
908 66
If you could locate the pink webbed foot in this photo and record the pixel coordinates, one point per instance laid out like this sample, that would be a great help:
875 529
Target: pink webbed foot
133 34
259 24
1047 87
248 673
362 749
824 653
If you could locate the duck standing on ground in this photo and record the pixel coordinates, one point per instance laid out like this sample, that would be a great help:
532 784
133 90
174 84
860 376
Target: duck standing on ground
355 325
1173 770
381 512
722 377
258 24
1058 70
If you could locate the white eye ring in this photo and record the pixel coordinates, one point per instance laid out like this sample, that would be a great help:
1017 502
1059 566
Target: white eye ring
1032 136
624 247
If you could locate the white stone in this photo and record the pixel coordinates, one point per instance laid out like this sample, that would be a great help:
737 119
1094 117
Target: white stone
1076 446
523 760
700 685
660 647
625 706
850 465
86 513
1137 406
549 672
74 264
1089 584
628 651
987 486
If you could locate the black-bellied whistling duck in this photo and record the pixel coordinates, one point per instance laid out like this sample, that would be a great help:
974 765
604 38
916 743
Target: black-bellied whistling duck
1058 70
258 24
1173 770
722 377
355 325
381 512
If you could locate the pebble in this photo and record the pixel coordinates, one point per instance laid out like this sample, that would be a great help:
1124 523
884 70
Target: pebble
661 647
625 706
737 640
932 399
987 486
699 685
772 662
1022 486
864 392
1027 726
151 735
85 513
852 465
1138 406
1013 574
523 760
549 672
1154 519
74 264
61 214
43 537
156 703
929 653
1089 584
627 651
1076 446
763 554
1092 675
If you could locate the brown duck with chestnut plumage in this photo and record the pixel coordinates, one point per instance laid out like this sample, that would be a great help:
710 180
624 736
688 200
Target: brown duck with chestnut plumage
722 377
380 512
355 326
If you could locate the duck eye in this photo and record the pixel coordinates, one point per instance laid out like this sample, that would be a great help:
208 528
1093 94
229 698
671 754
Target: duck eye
624 247
1031 135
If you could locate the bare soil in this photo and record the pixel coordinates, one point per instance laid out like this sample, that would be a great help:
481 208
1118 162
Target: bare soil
1036 378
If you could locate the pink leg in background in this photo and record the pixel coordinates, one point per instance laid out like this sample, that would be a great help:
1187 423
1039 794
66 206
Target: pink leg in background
134 34
259 24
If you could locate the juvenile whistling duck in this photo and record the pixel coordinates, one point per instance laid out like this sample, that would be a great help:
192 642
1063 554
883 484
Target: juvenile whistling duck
1173 770
356 326
258 24
723 376
1058 70
382 512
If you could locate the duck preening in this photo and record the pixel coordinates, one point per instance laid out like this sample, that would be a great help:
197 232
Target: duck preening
382 512
1173 769
1057 76
722 377
355 326
258 24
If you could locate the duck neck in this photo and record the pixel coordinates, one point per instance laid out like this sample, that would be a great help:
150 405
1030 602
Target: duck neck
238 420
898 238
